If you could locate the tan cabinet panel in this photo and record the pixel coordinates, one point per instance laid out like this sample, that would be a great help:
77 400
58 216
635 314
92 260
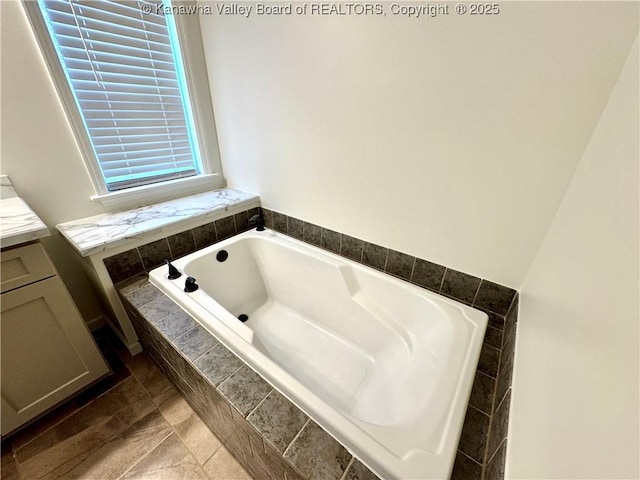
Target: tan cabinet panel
24 265
47 351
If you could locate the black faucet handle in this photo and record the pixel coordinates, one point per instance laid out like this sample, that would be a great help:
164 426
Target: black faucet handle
258 221
173 271
190 285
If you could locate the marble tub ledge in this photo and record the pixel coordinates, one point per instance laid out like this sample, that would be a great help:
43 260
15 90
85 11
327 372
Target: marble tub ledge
102 232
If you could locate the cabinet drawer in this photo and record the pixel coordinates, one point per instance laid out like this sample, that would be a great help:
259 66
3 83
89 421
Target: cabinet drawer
24 265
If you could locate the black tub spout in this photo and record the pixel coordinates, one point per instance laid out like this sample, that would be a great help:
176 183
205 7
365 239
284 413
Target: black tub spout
258 221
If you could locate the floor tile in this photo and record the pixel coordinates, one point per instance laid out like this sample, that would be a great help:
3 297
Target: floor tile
169 460
222 466
123 396
101 441
191 429
151 378
8 467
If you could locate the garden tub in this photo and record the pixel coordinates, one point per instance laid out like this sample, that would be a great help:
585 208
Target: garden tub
383 366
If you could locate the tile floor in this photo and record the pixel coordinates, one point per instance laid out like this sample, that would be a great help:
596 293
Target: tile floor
132 425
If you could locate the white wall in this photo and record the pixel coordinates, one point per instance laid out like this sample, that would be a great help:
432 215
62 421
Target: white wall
451 138
575 404
38 149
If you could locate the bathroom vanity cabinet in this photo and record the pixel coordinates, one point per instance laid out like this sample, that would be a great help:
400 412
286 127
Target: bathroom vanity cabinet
48 353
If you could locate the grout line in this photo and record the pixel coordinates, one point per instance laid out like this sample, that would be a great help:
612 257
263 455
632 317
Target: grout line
504 440
235 226
171 257
446 269
201 355
150 451
413 267
485 454
296 436
173 429
486 375
344 474
475 295
493 408
503 398
263 399
215 230
193 237
478 410
386 259
259 403
469 458
227 378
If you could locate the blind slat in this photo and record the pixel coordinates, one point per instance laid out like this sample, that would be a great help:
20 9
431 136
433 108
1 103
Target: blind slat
114 130
141 75
142 141
148 153
144 148
144 168
133 115
98 57
156 160
132 137
93 48
132 123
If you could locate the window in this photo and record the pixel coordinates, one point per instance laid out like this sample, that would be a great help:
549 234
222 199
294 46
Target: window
118 67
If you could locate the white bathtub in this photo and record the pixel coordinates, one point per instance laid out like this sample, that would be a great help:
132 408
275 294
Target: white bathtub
384 366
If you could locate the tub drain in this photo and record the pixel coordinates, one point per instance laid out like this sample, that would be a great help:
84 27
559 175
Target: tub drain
243 318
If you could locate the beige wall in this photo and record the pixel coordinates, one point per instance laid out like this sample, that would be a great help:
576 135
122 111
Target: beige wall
38 149
574 411
452 139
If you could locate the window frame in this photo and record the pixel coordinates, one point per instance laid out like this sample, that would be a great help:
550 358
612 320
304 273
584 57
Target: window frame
197 80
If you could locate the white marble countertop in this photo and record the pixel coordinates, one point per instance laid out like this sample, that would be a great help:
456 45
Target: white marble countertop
102 232
18 223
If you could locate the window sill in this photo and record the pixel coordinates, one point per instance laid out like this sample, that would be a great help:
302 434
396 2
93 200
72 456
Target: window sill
148 194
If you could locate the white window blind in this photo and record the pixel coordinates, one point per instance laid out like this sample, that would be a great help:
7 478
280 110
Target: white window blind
124 68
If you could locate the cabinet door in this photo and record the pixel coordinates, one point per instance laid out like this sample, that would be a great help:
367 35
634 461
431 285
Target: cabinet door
47 351
23 265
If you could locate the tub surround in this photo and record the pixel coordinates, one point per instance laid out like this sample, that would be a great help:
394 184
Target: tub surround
18 223
485 425
269 435
107 231
387 368
266 433
150 255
